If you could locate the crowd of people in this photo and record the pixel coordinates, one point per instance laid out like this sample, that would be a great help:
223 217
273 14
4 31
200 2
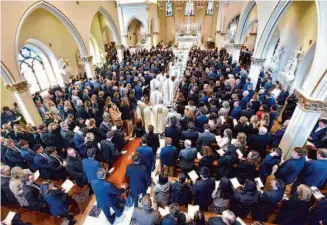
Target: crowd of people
213 121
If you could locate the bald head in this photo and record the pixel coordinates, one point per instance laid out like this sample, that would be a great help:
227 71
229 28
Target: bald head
228 217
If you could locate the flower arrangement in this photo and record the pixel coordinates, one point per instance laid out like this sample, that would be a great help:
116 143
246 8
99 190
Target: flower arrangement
143 41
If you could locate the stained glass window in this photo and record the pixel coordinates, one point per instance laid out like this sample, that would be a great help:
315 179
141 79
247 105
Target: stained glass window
189 9
169 8
210 6
33 69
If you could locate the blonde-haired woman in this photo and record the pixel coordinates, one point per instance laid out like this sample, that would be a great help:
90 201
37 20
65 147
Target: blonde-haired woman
224 110
90 142
125 109
240 142
265 118
68 108
252 126
16 185
296 209
115 114
53 109
91 127
241 126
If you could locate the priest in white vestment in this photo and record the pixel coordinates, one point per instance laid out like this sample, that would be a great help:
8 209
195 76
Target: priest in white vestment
149 118
154 84
140 109
172 112
155 97
160 113
169 89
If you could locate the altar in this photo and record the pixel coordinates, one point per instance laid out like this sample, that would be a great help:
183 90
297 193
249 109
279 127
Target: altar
188 35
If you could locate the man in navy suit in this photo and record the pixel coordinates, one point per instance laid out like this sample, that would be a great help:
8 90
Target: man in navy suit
206 138
41 160
202 189
245 100
269 100
278 135
227 217
248 112
290 169
168 156
273 115
108 149
319 131
90 165
259 142
79 142
282 96
314 172
13 155
191 134
236 112
266 167
268 200
107 196
147 158
174 132
200 120
7 115
136 173
28 155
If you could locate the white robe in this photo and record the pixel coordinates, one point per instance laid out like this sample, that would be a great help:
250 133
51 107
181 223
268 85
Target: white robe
149 118
172 114
160 114
140 110
169 88
154 85
155 98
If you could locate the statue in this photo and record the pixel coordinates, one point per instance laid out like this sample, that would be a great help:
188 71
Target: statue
65 69
272 64
290 68
79 59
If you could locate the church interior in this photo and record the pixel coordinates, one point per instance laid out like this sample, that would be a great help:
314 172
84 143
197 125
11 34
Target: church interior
148 112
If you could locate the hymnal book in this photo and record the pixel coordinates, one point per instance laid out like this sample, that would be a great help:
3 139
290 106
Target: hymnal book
192 209
258 183
222 118
235 182
199 156
235 122
218 139
10 216
36 175
111 170
307 159
99 145
220 152
67 185
239 153
113 128
163 212
240 221
76 129
193 176
316 193
87 122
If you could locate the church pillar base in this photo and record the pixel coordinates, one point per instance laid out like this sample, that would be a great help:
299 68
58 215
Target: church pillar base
236 52
255 69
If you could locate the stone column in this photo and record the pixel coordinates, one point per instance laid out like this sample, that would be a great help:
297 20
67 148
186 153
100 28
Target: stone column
219 23
255 68
120 53
89 68
236 52
155 38
304 119
25 102
125 40
149 41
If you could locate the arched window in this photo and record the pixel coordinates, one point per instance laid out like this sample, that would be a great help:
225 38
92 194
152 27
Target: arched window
169 8
36 69
210 6
189 9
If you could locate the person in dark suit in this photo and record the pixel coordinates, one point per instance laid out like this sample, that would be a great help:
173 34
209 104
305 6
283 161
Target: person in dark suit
14 156
282 96
7 115
28 155
174 132
248 112
75 168
278 135
266 166
119 138
289 170
268 200
137 174
322 143
319 214
7 197
41 160
314 172
227 218
203 188
67 134
187 157
191 134
147 158
146 215
181 191
318 131
79 142
246 169
4 148
236 112
153 140
81 113
168 156
107 196
90 165
296 209
100 101
273 115
57 139
45 135
200 120
32 193
108 149
225 163
57 164
206 138
56 199
38 97
244 199
174 217
269 100
260 142
245 100
105 126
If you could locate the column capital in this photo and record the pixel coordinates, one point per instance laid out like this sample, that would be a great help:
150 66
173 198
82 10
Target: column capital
308 104
19 86
238 45
218 32
87 58
257 61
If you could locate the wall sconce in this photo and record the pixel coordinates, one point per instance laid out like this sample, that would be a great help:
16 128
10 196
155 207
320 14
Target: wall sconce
50 45
310 42
77 2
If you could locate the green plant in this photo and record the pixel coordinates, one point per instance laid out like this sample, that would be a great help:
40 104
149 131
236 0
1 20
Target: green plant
143 41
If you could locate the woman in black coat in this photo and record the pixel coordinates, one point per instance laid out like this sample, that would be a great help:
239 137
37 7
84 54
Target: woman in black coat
246 168
244 199
296 209
91 143
57 139
225 163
